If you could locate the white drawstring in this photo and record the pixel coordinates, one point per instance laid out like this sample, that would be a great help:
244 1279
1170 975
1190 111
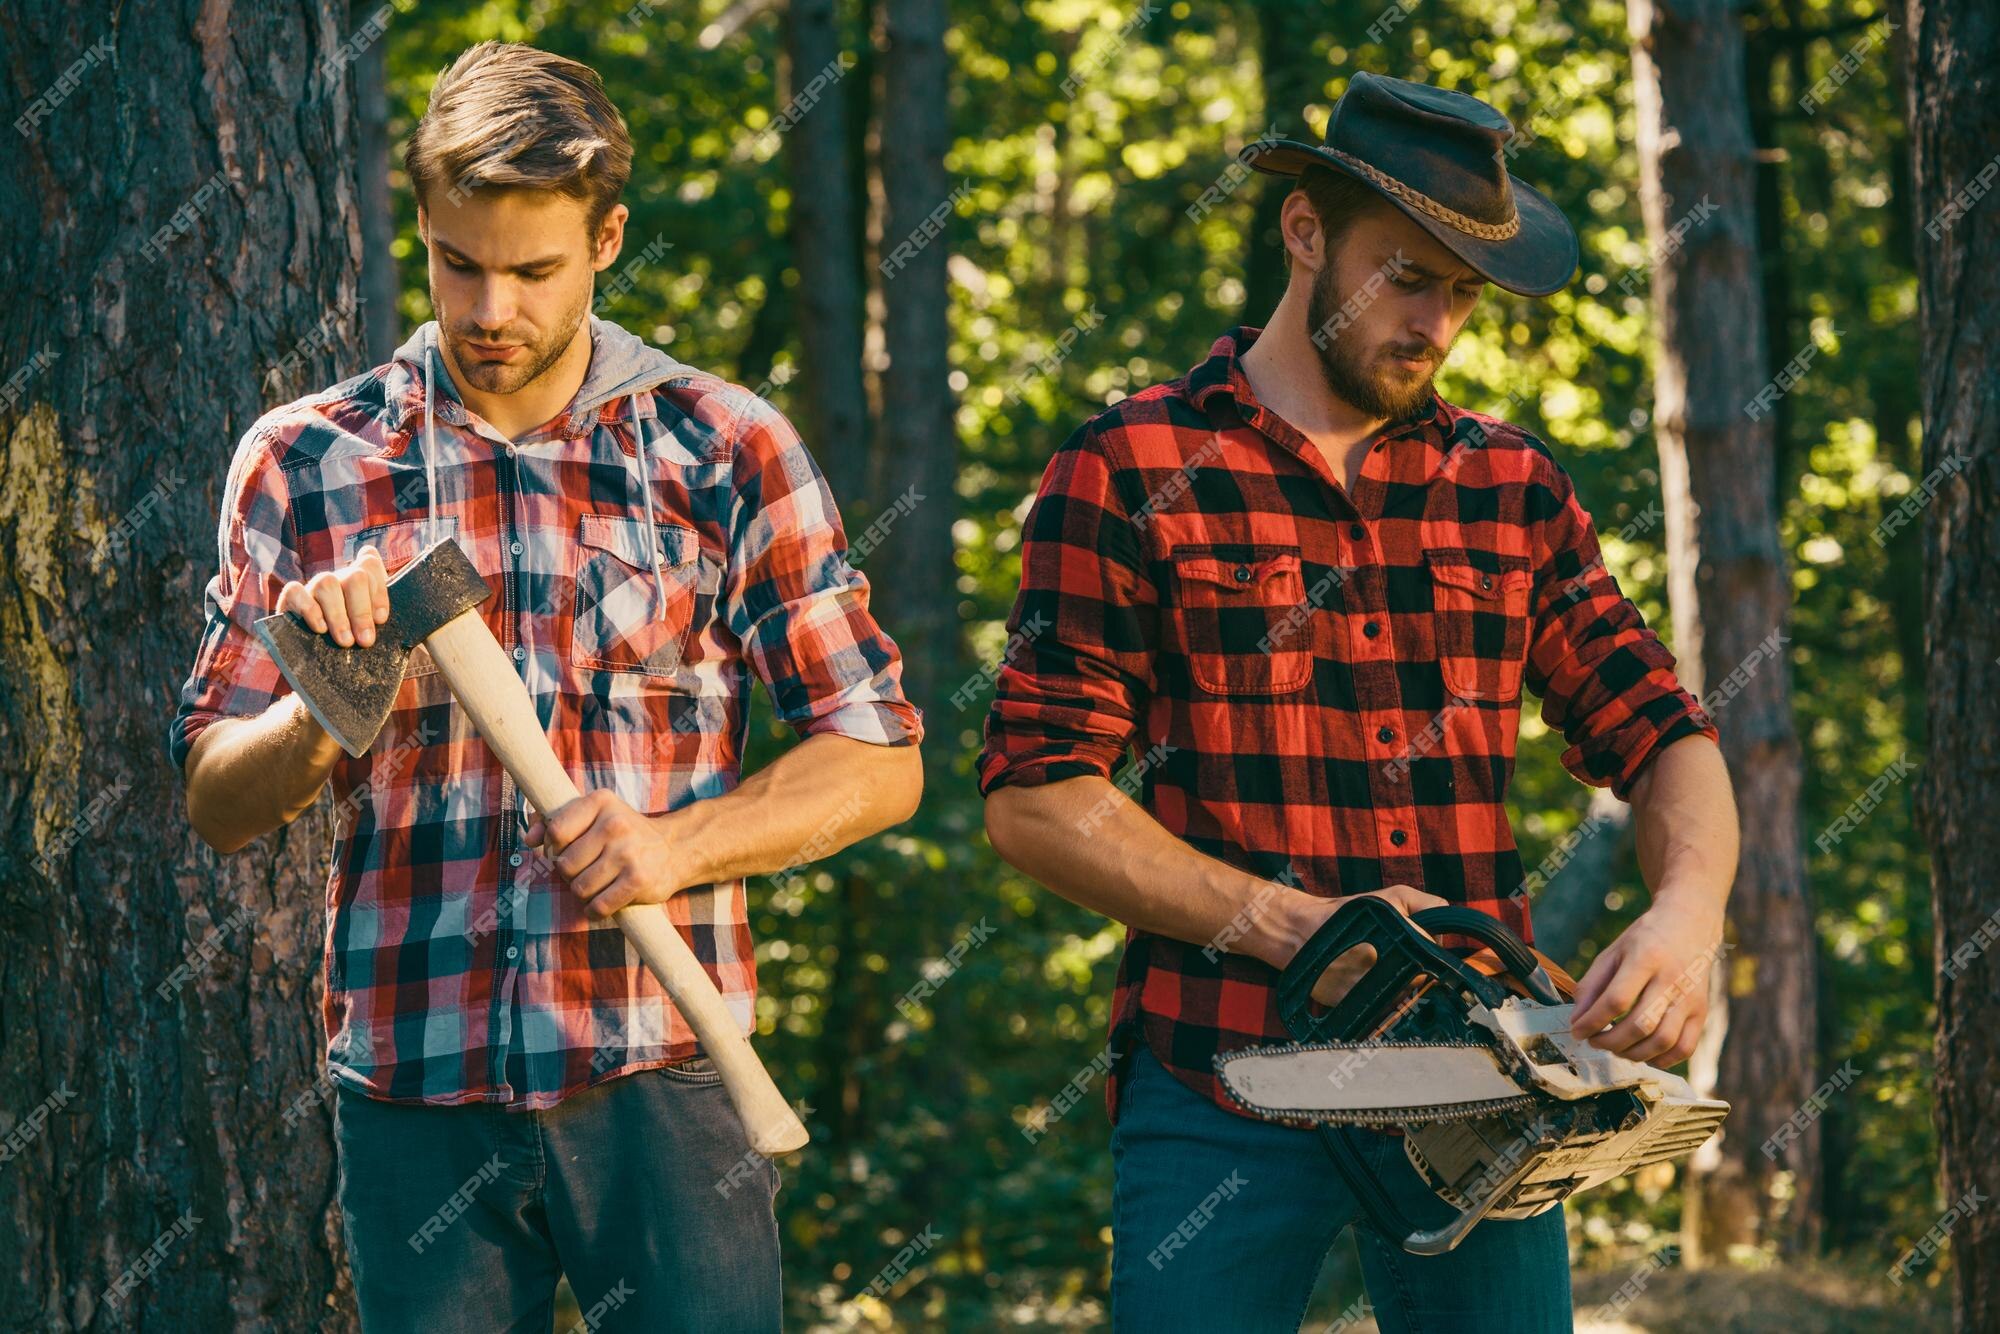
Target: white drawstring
652 537
430 456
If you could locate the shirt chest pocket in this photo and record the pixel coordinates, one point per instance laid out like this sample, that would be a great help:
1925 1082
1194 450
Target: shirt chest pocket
622 624
1242 620
1480 621
400 543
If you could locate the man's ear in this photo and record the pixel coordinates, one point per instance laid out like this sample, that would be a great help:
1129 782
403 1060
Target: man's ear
610 238
1299 227
423 226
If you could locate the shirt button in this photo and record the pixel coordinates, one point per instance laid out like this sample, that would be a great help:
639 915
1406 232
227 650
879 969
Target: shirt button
1371 629
1243 574
514 860
511 451
1398 837
1386 734
1356 531
513 951
520 653
516 548
1486 581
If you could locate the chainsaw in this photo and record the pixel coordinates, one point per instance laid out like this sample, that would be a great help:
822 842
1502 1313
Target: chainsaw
1470 1059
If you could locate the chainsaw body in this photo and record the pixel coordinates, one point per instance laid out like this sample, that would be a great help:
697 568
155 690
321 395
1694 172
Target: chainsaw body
1503 1113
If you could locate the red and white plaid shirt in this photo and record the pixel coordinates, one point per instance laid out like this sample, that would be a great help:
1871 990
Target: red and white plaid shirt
1325 685
639 582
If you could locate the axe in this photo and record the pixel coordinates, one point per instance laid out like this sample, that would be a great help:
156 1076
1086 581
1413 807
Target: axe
434 601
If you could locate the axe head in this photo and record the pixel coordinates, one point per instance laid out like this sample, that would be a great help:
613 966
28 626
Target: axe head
351 690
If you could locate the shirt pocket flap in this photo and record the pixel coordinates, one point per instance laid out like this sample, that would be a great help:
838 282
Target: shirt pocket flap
1259 579
626 539
400 542
1455 570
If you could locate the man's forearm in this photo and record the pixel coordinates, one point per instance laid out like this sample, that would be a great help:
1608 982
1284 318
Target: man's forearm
1087 841
247 776
1685 825
818 797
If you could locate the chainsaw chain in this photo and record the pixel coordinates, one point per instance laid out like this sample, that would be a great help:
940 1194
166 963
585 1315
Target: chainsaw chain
1385 1116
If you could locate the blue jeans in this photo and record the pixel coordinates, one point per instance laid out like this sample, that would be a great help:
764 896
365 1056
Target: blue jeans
642 1189
1220 1222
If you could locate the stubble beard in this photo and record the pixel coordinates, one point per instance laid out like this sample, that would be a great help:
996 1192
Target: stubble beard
496 377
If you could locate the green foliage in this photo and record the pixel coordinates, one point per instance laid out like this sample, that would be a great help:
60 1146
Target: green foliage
1085 141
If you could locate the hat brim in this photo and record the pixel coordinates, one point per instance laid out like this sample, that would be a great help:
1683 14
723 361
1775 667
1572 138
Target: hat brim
1538 259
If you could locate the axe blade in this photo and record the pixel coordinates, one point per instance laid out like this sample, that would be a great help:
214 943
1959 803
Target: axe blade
349 691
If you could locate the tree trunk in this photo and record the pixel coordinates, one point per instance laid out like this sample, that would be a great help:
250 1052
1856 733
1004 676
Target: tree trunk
825 243
1955 146
179 222
1285 32
1729 592
919 430
380 283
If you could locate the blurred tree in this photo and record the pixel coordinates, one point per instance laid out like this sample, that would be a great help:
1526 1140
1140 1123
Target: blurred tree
825 245
1292 76
919 466
1955 142
179 231
1731 598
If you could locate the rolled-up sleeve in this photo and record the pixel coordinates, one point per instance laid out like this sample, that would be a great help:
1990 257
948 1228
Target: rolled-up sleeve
256 555
1067 700
796 603
1606 681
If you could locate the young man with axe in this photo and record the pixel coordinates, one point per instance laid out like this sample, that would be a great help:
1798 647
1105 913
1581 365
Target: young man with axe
516 1096
1310 591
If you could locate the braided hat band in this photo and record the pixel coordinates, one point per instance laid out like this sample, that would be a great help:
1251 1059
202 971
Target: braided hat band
1423 203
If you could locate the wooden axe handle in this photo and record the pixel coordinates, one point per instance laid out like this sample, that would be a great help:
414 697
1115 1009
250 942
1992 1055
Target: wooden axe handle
489 690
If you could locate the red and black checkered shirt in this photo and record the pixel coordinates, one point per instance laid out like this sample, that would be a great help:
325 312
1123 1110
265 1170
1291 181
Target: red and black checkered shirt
1324 686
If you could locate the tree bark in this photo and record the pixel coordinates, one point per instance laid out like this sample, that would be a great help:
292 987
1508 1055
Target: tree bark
176 225
1954 110
825 243
1729 591
919 430
380 282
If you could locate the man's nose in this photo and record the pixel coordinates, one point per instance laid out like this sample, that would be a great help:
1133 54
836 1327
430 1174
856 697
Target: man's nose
1431 321
494 308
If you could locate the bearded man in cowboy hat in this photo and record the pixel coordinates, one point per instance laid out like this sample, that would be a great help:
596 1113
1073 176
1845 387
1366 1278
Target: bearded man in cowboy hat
1308 592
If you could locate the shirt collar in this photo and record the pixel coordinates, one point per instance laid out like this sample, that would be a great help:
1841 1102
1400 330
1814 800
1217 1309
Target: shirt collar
1220 379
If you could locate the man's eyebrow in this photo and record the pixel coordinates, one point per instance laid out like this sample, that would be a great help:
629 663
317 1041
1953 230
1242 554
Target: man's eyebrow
544 262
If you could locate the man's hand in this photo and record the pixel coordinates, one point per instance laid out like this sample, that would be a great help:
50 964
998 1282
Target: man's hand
347 603
610 855
1655 975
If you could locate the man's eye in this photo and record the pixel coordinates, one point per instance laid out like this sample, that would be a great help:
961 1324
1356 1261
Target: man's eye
541 277
1471 293
1406 282
458 267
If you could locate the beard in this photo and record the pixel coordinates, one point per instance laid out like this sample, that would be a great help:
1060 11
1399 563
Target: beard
507 377
1365 376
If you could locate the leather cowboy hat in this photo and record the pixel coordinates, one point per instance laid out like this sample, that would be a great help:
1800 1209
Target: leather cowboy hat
1440 157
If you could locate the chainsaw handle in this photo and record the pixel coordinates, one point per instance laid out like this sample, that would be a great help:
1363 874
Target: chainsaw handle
1401 952
1493 933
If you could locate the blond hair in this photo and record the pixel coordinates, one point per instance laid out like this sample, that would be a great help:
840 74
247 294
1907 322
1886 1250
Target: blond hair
509 116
